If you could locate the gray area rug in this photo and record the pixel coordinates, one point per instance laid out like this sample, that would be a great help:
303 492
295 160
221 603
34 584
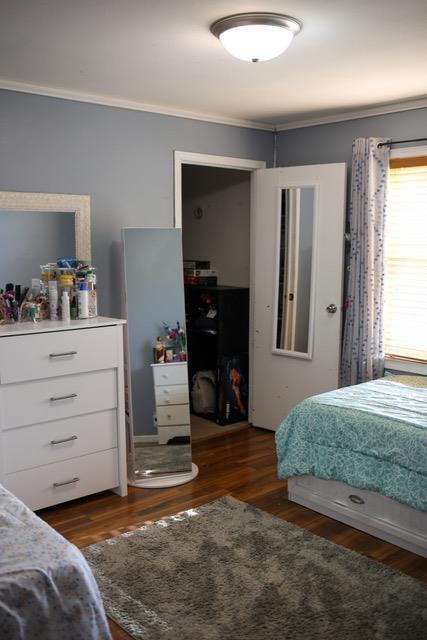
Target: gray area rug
229 571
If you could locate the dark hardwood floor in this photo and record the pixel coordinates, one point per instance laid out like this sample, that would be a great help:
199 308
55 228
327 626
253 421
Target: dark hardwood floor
243 465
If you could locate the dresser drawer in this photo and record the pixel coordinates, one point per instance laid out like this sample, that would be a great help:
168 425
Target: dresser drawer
57 354
53 399
62 481
174 414
175 394
49 442
170 374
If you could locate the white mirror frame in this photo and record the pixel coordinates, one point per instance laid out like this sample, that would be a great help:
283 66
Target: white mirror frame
59 203
285 352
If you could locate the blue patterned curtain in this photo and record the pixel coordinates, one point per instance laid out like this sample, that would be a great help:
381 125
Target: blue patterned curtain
363 349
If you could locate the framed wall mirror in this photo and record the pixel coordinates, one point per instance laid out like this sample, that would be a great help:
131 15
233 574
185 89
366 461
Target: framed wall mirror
294 281
39 228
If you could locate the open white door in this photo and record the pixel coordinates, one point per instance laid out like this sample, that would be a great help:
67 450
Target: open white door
310 257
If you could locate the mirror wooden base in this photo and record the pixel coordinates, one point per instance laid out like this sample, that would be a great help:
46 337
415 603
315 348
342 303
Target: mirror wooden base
170 480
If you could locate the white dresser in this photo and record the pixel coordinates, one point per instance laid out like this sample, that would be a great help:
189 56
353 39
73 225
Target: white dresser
62 421
172 399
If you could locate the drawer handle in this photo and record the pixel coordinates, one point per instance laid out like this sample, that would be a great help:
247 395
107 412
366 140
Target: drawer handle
62 355
61 484
165 375
63 440
169 416
166 391
356 499
72 395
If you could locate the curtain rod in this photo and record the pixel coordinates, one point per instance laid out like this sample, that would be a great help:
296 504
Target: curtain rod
387 144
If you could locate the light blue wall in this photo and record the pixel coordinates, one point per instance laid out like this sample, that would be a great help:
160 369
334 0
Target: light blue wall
332 142
122 158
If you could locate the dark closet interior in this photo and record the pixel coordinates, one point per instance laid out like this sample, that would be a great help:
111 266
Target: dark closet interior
216 206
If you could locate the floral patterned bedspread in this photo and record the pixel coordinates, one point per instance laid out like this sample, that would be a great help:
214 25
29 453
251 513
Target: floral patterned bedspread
372 436
47 591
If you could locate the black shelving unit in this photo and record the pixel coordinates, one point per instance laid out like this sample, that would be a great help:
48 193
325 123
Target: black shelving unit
217 320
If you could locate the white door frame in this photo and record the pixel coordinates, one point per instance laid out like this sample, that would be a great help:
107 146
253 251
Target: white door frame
224 162
205 160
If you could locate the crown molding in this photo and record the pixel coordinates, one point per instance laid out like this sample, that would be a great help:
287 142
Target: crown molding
363 112
110 101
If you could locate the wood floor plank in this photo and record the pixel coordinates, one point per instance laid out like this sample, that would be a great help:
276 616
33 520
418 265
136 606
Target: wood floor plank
241 464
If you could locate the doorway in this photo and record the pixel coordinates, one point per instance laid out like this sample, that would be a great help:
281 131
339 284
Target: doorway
213 208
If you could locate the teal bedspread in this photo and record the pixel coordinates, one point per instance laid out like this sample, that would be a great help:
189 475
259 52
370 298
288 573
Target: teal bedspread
372 436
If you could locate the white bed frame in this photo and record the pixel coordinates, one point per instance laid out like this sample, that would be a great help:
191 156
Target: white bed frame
366 510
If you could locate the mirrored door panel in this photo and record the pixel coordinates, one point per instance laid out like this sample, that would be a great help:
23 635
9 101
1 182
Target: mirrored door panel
294 270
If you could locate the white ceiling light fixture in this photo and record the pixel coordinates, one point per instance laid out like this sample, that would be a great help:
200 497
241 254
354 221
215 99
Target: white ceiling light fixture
256 37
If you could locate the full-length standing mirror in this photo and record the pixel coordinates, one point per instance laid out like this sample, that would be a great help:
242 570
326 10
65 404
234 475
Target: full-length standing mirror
159 437
294 283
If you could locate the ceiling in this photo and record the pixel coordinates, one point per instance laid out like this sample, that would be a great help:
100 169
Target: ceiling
159 55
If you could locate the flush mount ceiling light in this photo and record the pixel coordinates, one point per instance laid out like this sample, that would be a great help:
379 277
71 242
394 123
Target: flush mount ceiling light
256 37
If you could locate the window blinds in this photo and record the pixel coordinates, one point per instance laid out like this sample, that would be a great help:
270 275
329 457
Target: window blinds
405 310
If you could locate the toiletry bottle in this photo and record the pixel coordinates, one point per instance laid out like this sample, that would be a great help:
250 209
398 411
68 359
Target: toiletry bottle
83 301
65 306
53 299
93 302
35 287
73 305
66 281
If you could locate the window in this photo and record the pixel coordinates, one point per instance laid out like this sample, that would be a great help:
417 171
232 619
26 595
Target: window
406 260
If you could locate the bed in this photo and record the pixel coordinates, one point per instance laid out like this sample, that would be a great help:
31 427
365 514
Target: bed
359 455
46 587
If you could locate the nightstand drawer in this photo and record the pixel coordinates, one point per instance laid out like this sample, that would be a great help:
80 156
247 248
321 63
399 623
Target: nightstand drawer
50 442
170 374
57 398
58 353
171 415
175 394
67 480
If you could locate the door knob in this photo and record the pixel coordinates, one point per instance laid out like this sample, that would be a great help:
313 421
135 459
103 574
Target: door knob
331 308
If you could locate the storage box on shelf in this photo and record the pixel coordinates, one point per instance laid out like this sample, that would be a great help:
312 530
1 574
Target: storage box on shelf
62 427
